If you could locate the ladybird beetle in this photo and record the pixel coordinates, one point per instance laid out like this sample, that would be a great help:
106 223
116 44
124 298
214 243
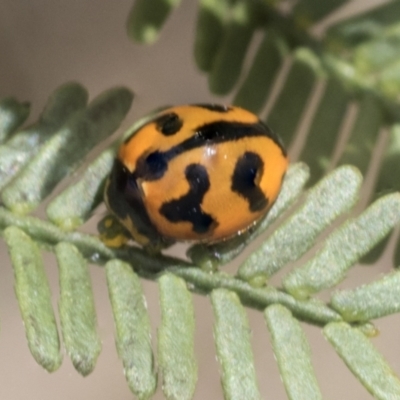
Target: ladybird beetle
199 172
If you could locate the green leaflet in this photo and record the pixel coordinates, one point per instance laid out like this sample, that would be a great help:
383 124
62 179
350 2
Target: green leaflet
291 102
389 79
292 353
34 299
262 74
177 362
374 300
344 247
75 204
232 339
147 18
375 55
332 196
64 102
387 181
211 19
363 360
228 61
307 12
359 148
63 152
77 310
321 139
365 26
12 115
388 178
133 328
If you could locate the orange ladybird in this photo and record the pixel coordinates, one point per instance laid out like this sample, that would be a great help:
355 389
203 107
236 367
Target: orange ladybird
199 172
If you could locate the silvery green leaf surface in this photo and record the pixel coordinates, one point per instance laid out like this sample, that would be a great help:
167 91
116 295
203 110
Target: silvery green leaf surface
65 150
373 300
344 247
34 299
133 330
74 205
77 309
332 196
177 362
292 353
364 360
232 340
64 102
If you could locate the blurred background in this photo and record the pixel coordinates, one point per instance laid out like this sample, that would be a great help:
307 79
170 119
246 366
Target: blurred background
46 43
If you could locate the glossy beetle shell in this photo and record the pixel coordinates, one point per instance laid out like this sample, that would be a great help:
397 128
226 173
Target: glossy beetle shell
196 172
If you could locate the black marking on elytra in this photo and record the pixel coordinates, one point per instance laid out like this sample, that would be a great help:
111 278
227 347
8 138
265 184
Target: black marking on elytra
153 166
125 199
214 107
247 167
168 124
188 207
224 131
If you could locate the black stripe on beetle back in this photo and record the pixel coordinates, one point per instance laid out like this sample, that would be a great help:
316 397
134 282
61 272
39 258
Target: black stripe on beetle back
225 131
153 166
168 124
248 166
214 107
188 207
